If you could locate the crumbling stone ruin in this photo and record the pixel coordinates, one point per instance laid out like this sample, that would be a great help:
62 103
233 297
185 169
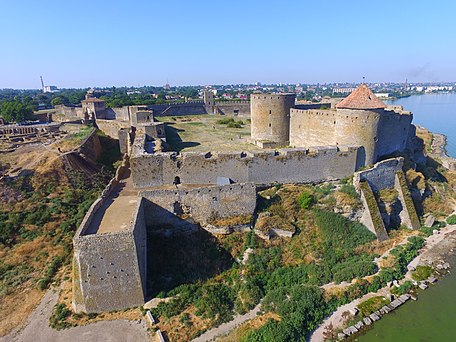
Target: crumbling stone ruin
159 192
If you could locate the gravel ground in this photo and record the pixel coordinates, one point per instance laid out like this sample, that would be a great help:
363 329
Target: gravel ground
37 329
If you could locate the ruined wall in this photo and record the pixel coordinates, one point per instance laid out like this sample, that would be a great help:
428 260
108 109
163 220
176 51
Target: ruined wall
64 113
408 215
393 132
111 127
270 115
372 218
201 204
265 167
312 127
236 108
90 148
381 176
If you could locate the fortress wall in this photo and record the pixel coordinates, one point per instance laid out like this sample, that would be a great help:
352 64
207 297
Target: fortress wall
240 108
91 147
283 166
122 113
64 113
270 115
312 127
111 127
359 127
106 272
201 204
393 132
381 176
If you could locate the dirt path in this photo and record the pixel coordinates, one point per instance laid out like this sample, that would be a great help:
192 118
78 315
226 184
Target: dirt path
225 328
37 328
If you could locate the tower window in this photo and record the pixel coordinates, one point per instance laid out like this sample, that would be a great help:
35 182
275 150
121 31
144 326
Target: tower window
270 111
269 124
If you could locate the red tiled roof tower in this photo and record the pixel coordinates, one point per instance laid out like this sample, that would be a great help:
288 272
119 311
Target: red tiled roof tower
361 98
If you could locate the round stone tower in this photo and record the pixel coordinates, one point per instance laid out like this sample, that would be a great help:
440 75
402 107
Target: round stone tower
270 115
357 121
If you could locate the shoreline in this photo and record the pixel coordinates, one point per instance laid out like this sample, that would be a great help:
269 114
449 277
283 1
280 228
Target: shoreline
438 247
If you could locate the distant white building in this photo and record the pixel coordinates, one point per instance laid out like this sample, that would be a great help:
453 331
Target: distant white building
382 95
50 89
343 90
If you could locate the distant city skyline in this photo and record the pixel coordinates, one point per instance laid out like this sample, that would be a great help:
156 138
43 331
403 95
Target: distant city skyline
136 43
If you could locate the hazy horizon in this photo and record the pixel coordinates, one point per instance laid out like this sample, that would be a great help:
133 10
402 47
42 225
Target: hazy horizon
136 43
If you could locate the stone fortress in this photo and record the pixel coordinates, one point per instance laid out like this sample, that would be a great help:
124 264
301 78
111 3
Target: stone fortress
156 191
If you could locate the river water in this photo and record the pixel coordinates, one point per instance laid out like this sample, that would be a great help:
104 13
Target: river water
433 316
436 112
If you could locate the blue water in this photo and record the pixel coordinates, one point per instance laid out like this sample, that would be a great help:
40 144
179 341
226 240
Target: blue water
436 112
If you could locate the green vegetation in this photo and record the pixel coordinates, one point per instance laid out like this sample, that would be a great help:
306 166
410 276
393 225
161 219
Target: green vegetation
349 189
422 273
58 317
305 200
371 305
451 219
403 288
230 122
17 110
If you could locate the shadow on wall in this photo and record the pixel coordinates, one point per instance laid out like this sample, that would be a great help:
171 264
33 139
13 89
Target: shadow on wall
360 158
183 259
174 140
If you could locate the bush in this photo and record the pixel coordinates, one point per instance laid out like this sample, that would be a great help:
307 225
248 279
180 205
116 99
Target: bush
234 125
451 219
371 305
225 121
422 273
305 199
404 288
349 189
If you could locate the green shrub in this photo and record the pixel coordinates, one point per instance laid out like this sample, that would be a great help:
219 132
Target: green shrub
451 219
349 189
422 273
225 121
234 125
305 200
371 305
404 288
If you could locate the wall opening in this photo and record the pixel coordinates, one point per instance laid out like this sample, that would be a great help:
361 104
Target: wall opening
177 180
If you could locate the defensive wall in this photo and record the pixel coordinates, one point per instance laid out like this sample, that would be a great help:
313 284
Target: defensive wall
202 205
380 132
109 270
111 127
386 174
298 165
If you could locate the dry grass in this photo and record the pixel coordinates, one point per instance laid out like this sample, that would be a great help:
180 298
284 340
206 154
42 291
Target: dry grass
15 308
255 323
201 133
177 331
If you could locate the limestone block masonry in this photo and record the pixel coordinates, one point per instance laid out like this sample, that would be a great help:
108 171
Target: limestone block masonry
266 167
109 269
270 115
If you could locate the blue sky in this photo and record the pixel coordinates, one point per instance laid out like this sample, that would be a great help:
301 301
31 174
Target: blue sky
106 43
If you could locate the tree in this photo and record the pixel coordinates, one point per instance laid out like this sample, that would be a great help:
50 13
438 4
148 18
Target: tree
59 100
16 111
